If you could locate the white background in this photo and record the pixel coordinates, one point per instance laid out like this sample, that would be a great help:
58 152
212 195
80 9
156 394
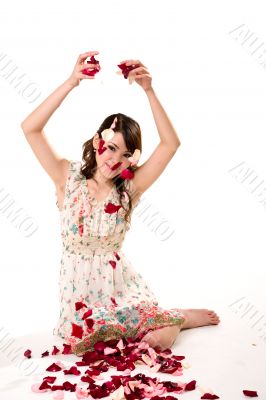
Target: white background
213 90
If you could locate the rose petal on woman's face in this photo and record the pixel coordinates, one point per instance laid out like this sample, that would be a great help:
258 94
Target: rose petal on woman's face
107 134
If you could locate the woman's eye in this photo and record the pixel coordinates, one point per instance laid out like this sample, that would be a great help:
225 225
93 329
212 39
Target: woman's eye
112 148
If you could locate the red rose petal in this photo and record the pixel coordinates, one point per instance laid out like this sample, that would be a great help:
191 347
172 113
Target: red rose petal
73 370
81 229
44 385
79 305
112 208
89 322
209 396
113 300
53 368
50 379
45 354
27 353
68 386
87 314
67 349
101 148
92 72
117 255
117 165
57 387
250 393
77 331
191 385
113 263
127 174
55 351
127 68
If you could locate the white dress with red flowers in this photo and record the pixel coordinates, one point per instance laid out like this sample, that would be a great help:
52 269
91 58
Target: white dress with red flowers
102 297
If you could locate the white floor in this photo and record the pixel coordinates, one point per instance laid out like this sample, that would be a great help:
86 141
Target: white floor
223 359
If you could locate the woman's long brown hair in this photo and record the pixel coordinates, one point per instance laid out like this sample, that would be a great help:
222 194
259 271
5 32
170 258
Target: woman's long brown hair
131 132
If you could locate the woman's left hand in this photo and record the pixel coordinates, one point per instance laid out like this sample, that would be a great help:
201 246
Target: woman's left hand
140 74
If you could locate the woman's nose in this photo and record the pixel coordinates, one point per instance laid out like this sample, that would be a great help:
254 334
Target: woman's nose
117 158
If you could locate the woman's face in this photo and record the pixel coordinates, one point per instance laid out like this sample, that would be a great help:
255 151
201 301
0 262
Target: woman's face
116 153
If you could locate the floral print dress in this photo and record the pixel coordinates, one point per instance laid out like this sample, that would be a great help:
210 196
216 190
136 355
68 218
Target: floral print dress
102 297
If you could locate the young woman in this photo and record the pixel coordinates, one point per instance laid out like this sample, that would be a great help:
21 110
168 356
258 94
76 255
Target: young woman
102 297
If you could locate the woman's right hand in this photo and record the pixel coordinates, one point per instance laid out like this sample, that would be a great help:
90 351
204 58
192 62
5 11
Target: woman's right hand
77 74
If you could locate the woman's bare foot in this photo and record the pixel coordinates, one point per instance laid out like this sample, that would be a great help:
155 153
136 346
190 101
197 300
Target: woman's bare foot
196 317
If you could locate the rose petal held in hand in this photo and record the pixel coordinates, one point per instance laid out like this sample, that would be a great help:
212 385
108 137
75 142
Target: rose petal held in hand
127 68
92 72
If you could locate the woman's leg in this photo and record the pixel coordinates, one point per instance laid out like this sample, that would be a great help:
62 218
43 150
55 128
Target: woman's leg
194 317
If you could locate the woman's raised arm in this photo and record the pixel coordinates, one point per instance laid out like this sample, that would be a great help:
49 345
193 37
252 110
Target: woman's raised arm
54 164
150 171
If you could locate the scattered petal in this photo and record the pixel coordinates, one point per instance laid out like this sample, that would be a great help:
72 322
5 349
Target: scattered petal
81 393
113 263
87 314
55 351
77 331
27 353
67 349
89 322
112 208
209 396
72 371
58 395
191 385
36 388
54 368
250 393
113 300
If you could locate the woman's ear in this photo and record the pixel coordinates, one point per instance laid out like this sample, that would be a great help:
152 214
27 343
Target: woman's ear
96 141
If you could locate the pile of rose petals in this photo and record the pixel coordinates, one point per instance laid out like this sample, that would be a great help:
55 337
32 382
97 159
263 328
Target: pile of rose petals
124 355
